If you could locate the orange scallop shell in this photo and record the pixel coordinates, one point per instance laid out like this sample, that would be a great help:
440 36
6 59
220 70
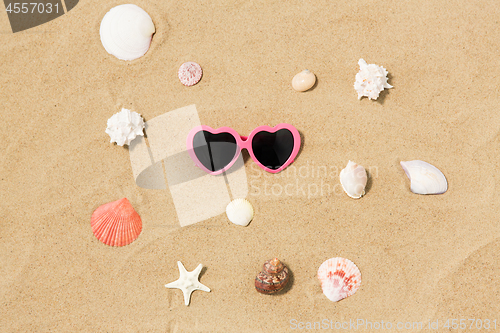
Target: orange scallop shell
340 278
116 223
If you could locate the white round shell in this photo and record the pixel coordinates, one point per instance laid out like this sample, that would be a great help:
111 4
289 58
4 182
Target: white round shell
190 73
125 126
240 212
353 179
126 32
304 80
425 178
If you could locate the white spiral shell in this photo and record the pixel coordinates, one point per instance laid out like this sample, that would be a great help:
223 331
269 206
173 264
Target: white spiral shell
125 126
370 80
126 32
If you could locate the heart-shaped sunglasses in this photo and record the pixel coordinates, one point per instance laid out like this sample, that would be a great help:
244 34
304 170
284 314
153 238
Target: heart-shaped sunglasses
216 150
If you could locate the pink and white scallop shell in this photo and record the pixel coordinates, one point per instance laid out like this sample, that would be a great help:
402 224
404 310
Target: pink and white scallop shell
190 73
340 278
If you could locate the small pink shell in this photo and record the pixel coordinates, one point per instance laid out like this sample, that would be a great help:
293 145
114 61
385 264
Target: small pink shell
340 278
190 73
116 223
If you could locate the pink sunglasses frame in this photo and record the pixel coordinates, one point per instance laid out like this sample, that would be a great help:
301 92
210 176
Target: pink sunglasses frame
244 142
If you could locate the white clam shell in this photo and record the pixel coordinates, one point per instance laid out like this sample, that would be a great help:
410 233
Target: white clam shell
304 80
240 212
126 32
353 179
425 178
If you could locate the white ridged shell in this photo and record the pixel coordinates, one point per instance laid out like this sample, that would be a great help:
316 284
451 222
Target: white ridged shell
353 179
339 277
126 32
425 178
240 212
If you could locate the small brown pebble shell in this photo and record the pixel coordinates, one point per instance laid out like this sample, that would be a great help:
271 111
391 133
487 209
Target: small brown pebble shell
304 80
273 277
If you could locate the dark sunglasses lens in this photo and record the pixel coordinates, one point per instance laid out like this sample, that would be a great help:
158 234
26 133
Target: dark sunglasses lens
214 151
273 149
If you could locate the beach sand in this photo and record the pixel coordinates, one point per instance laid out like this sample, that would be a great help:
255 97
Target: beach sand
422 258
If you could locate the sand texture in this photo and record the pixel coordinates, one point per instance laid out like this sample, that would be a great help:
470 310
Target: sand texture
422 258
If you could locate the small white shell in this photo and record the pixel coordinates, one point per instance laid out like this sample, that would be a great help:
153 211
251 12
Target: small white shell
126 32
370 80
353 179
125 126
304 80
425 178
240 212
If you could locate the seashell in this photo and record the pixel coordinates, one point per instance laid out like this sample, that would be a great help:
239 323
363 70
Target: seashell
304 80
424 177
188 282
116 223
124 126
126 32
370 80
353 179
190 73
339 277
273 278
240 212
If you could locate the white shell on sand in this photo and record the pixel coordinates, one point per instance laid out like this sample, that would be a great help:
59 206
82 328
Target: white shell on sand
304 80
339 277
126 32
240 212
353 179
425 178
124 126
370 80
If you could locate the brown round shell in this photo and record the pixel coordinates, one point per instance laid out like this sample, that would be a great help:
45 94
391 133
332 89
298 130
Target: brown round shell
273 278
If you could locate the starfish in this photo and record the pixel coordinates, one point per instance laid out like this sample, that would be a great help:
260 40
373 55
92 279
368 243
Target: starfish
188 282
